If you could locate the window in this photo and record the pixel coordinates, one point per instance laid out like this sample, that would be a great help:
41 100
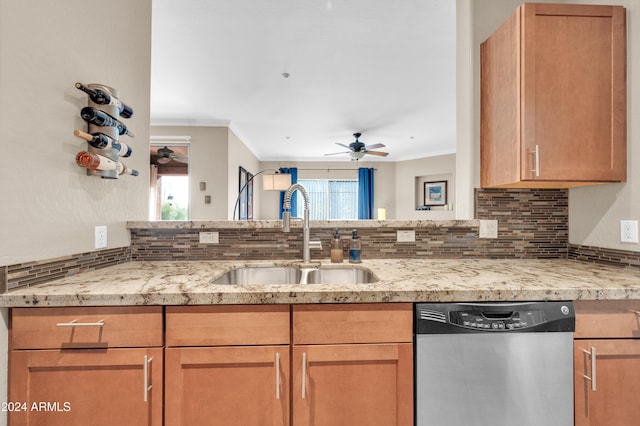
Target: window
329 199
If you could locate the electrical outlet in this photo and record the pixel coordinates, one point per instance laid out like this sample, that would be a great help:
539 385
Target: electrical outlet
488 229
100 237
209 238
406 236
629 231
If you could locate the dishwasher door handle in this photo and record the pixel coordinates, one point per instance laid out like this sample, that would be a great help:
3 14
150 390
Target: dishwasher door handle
592 354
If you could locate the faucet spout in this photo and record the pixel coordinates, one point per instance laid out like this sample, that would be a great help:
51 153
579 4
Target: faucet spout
286 218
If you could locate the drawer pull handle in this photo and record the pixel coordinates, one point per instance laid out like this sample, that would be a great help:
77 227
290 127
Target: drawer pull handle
304 375
80 324
145 371
535 168
592 354
277 375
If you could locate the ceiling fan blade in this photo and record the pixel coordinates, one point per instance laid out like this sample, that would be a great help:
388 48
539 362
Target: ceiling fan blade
343 145
374 146
180 159
378 153
336 153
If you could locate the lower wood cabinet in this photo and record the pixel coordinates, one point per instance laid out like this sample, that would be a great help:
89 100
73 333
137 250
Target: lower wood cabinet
607 363
348 365
332 364
81 366
360 384
86 387
353 364
227 386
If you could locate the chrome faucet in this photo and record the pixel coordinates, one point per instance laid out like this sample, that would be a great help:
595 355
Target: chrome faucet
286 220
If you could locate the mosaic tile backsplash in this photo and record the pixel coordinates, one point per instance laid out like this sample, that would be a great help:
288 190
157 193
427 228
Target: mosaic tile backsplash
532 223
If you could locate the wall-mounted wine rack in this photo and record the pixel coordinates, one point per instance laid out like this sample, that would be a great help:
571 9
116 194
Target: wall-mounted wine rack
103 115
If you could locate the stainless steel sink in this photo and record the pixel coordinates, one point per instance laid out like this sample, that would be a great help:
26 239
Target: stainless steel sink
260 275
341 276
256 275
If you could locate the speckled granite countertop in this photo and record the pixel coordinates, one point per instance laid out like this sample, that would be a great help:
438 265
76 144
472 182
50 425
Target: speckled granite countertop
189 283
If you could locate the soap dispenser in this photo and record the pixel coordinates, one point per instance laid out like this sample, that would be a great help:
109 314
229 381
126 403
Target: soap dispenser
354 250
336 247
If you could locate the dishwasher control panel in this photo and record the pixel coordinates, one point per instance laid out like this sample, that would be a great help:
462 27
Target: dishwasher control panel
494 317
497 321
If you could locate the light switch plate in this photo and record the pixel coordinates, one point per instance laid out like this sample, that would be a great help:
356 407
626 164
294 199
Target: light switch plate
100 237
488 229
406 236
209 238
629 231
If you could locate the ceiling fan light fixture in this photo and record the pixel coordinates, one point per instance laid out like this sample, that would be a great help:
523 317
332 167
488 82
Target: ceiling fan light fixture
356 155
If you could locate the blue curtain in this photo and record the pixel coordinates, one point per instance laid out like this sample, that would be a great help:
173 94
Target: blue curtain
293 171
365 193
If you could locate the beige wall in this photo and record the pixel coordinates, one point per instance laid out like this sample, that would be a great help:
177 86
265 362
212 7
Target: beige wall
240 155
49 205
410 177
594 212
208 152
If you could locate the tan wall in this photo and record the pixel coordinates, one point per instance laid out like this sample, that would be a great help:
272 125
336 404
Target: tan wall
240 155
208 152
49 205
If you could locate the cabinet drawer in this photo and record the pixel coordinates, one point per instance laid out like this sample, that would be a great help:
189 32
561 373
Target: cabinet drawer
228 325
86 327
607 319
353 323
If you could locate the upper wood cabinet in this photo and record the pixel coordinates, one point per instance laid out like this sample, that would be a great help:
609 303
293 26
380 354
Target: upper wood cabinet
553 98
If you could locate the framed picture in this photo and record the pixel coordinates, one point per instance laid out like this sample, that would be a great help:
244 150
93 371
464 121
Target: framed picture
435 193
249 196
242 190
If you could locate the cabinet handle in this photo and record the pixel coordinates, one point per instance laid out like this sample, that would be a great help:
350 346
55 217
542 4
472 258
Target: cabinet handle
145 372
592 354
80 324
535 170
277 375
304 375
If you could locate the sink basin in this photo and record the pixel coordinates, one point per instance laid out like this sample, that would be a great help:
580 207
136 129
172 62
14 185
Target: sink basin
341 276
260 275
255 275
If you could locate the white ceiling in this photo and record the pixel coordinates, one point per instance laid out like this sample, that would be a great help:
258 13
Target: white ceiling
385 68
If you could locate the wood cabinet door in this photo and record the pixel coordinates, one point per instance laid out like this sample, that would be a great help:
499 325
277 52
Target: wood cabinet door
364 384
617 381
574 93
86 387
245 385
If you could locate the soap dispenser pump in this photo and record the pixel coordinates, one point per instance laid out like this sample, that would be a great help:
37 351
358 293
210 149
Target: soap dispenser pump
336 247
355 249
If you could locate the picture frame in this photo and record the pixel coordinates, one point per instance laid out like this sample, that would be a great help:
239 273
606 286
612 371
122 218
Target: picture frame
249 194
435 193
242 190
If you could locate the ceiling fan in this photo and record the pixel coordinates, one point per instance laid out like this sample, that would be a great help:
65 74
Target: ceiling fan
166 154
357 149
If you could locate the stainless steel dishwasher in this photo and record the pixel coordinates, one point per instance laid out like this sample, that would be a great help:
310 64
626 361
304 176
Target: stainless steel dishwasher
494 364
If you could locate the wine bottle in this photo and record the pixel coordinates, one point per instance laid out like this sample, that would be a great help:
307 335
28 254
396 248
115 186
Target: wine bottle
101 118
102 141
102 98
99 162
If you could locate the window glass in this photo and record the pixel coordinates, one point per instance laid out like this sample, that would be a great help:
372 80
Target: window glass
329 199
